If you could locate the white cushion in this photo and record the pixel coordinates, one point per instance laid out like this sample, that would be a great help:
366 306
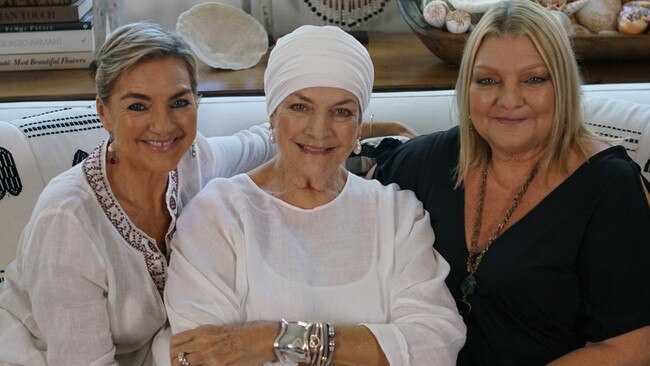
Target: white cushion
40 147
623 119
20 185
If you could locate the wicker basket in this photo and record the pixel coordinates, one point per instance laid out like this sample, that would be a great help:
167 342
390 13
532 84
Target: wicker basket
449 47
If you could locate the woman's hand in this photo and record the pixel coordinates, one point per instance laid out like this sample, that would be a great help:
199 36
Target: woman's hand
247 344
390 128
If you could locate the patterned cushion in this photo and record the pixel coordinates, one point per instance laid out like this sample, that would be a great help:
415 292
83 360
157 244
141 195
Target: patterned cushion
622 119
20 185
33 150
60 139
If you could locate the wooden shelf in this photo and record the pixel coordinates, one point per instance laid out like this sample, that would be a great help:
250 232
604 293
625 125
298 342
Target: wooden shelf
401 62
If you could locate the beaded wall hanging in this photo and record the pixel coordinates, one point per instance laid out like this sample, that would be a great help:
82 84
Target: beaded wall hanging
347 13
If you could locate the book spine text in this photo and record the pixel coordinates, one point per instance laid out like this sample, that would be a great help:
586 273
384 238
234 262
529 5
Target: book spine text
46 61
43 14
14 3
43 42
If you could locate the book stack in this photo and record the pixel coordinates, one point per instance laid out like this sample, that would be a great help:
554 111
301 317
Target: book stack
46 34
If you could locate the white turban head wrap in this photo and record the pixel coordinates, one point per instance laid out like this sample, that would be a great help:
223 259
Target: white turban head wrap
313 56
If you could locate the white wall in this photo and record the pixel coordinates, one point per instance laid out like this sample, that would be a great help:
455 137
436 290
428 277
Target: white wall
287 14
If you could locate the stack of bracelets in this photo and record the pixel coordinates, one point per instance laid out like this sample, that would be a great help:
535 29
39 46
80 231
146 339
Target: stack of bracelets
309 343
347 13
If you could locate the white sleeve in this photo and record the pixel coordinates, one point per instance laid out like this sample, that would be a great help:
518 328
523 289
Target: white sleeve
200 286
65 277
243 151
424 327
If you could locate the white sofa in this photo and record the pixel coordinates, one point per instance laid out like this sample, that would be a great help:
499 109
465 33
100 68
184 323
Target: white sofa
37 148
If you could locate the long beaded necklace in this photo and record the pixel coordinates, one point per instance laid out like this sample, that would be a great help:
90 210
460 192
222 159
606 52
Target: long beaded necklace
346 13
468 285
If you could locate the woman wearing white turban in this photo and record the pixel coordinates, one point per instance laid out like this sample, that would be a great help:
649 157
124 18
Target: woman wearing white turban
301 239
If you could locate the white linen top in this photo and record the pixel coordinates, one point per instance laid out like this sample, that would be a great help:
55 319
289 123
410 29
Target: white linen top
366 257
86 286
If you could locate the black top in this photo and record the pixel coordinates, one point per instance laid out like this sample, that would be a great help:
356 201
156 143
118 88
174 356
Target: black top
574 269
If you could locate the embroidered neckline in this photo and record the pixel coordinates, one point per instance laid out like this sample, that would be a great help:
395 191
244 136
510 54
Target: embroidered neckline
95 174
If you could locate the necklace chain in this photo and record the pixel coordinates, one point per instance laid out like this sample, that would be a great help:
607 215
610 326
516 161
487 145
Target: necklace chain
475 257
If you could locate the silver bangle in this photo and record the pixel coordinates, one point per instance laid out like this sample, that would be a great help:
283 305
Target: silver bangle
315 342
329 344
320 347
292 343
309 343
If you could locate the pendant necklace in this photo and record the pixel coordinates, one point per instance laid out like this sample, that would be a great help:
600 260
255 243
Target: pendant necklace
468 285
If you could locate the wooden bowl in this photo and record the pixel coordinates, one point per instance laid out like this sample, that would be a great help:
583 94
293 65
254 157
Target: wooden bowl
449 47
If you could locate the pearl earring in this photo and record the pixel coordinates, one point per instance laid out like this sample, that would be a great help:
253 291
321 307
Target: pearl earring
272 135
357 147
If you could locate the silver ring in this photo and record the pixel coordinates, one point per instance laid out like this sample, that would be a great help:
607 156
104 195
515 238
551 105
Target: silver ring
182 360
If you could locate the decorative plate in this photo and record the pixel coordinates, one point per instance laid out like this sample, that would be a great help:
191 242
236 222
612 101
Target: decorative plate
223 36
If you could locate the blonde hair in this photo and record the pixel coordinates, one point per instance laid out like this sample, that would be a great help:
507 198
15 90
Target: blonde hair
134 43
525 18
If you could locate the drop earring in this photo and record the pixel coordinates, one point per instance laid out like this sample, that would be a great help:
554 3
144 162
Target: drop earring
112 156
357 147
193 150
272 135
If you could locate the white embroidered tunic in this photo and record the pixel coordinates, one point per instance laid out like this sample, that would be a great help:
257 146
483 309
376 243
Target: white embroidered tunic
85 288
366 257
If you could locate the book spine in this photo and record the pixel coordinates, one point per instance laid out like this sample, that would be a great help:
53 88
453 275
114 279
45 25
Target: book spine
85 23
46 61
14 3
43 42
44 27
40 14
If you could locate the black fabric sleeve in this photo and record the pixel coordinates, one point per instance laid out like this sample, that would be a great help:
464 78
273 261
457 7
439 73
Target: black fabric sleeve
400 166
615 256
421 163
